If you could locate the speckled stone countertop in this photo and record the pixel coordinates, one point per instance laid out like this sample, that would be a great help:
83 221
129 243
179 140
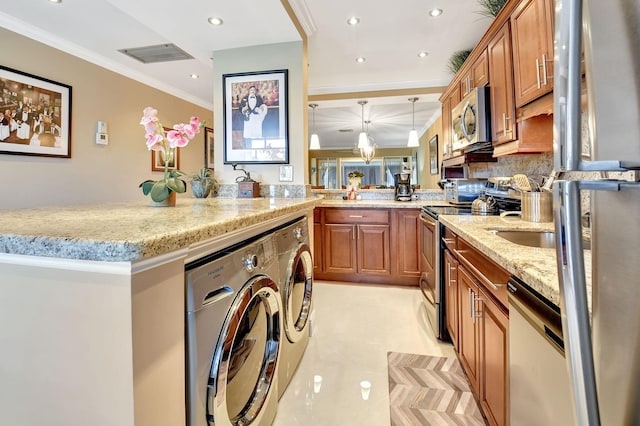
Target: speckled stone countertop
535 266
133 230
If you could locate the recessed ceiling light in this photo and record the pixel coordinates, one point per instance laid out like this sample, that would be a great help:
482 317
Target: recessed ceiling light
423 54
435 12
194 76
353 20
55 1
360 59
215 21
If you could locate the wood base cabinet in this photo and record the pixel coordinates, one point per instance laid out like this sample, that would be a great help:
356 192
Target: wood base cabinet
368 245
478 322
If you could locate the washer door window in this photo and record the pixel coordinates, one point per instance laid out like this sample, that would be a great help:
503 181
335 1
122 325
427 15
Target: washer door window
244 363
297 293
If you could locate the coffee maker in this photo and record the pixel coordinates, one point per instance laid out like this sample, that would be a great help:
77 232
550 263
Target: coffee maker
403 186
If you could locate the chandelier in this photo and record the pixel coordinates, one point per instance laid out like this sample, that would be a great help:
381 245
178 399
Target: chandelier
368 151
366 144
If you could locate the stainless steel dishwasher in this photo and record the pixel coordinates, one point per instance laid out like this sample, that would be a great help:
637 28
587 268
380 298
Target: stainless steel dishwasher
539 386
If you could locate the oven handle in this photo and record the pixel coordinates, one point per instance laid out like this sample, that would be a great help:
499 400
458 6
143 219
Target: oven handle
428 220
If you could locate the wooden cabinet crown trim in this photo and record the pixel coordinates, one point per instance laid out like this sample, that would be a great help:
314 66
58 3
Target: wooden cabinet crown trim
493 29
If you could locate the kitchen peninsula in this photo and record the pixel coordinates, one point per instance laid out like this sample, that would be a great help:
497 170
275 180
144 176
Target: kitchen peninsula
92 304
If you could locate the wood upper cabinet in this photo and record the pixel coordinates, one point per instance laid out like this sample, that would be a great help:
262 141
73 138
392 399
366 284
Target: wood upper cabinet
477 75
503 125
450 100
532 38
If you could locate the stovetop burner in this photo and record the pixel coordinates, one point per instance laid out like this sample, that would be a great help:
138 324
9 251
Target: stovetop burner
434 211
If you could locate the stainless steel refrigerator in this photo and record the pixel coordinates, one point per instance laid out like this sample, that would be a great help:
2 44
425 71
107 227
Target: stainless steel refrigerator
603 357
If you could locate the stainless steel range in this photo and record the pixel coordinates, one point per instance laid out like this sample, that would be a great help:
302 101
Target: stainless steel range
432 282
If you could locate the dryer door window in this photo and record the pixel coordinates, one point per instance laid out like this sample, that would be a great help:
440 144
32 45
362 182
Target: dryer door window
298 293
245 360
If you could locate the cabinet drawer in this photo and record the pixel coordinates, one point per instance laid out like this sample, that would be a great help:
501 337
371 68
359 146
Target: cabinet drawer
450 239
358 216
492 277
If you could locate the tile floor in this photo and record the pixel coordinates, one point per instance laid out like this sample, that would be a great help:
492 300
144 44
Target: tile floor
353 329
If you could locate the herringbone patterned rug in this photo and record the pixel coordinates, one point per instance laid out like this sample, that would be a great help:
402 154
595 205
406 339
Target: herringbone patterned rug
429 390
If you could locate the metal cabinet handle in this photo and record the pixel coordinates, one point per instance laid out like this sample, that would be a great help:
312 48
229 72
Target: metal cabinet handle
538 73
504 123
471 304
496 287
356 216
545 77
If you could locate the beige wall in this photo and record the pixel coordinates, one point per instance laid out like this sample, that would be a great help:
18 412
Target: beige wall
94 173
289 56
427 180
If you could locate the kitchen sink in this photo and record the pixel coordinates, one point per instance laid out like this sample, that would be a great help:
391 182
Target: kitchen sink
540 239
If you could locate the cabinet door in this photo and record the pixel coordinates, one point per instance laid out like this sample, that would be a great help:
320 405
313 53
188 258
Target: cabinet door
503 128
317 248
373 250
476 76
408 242
494 365
340 248
468 337
448 103
532 36
451 295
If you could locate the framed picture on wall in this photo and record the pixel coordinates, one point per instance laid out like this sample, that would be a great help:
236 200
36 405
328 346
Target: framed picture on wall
208 147
255 118
35 115
433 155
158 160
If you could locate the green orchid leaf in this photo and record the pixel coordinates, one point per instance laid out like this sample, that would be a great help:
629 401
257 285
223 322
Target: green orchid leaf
177 185
176 173
146 186
159 192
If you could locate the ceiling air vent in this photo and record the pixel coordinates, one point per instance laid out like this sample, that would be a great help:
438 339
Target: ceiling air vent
157 53
345 130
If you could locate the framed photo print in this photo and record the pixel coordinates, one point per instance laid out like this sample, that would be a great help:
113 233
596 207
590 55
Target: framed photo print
255 118
208 147
158 160
433 155
35 115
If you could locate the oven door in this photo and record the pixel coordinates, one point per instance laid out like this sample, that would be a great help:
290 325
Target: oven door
429 259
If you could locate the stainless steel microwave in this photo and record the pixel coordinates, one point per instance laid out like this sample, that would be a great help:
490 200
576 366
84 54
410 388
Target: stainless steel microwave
470 119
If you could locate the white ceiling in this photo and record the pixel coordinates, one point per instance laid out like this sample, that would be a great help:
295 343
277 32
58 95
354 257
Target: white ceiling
390 35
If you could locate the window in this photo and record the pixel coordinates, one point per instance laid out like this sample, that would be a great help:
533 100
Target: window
332 172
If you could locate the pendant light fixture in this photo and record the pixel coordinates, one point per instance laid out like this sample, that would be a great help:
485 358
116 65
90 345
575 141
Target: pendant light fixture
413 135
314 143
363 140
368 151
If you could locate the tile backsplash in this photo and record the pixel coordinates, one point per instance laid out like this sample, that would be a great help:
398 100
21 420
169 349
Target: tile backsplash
531 165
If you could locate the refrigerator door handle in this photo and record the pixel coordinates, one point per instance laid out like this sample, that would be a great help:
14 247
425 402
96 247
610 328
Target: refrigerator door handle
573 301
567 94
567 87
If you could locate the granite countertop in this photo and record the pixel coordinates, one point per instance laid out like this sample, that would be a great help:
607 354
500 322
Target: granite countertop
133 230
535 266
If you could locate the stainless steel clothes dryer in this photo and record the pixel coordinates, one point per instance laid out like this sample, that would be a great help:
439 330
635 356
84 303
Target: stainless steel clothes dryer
296 284
233 335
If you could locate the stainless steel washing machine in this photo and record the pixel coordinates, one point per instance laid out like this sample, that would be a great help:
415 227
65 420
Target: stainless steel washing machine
233 335
296 284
